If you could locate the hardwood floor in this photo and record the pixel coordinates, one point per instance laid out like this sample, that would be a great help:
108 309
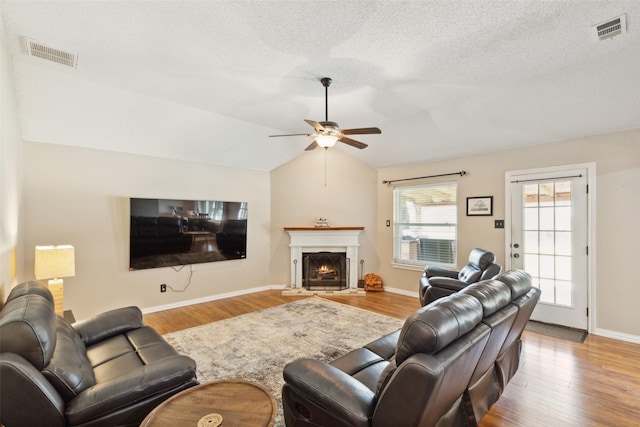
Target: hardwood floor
559 383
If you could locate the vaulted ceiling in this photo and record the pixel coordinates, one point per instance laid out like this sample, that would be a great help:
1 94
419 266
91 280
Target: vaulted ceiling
211 80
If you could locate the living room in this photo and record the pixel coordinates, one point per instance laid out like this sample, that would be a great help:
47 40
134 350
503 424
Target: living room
55 193
59 185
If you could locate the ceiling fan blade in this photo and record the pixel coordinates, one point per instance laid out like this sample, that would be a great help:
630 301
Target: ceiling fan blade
360 131
311 146
353 142
317 126
291 134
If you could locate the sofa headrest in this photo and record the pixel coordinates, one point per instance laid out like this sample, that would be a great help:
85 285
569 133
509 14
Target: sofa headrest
434 326
519 281
481 258
28 328
492 294
31 287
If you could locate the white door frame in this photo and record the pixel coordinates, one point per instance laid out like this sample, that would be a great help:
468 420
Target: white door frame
591 227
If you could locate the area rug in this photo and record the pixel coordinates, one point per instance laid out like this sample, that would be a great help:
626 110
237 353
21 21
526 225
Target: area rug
577 335
257 346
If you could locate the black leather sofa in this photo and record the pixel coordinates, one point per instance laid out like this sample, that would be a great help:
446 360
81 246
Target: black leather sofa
110 370
232 238
446 366
158 235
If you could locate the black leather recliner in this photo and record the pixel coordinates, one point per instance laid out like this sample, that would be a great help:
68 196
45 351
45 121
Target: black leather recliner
110 370
414 377
437 282
446 366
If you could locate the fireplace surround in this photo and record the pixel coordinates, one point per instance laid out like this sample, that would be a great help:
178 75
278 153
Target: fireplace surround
324 240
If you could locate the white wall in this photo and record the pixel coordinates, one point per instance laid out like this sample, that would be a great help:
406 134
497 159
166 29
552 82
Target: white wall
80 197
299 196
617 158
11 247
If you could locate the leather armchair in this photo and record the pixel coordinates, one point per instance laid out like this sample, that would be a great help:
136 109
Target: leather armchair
437 282
106 371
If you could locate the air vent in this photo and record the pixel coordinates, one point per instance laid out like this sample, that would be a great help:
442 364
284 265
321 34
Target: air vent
50 54
611 28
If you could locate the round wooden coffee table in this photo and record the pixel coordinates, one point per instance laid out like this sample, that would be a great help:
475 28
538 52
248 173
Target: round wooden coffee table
238 402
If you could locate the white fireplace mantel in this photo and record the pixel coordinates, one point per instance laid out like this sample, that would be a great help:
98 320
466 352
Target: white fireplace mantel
324 239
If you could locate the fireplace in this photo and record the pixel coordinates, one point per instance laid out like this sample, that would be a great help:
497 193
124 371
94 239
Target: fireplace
326 271
342 241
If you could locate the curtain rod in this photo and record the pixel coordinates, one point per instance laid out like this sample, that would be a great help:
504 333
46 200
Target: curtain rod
461 173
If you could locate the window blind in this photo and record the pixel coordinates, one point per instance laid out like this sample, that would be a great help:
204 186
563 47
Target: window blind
425 224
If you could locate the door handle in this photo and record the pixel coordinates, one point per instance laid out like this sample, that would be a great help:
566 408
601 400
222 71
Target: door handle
516 255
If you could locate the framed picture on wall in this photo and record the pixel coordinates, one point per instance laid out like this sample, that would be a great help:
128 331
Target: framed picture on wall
480 206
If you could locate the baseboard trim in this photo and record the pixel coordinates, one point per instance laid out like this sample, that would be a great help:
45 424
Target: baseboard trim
617 335
208 298
186 303
401 292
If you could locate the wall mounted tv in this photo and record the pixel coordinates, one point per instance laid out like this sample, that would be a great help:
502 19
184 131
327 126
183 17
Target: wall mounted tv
166 233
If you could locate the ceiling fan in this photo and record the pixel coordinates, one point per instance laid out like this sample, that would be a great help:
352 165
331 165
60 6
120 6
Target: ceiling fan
327 133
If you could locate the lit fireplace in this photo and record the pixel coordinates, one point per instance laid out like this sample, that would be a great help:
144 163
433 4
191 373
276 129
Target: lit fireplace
324 270
324 240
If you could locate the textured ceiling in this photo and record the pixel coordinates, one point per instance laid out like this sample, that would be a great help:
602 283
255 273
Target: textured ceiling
210 80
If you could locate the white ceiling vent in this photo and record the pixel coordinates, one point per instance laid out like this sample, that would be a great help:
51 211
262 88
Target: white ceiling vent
611 28
50 54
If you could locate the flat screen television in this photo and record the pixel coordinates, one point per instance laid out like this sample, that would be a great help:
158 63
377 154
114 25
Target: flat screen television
166 233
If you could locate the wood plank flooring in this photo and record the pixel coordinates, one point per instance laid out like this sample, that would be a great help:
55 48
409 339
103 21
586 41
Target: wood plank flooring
559 383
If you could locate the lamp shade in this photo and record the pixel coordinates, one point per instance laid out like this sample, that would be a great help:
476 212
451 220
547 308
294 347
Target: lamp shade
54 262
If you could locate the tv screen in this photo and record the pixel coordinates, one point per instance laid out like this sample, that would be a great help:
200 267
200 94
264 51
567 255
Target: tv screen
166 233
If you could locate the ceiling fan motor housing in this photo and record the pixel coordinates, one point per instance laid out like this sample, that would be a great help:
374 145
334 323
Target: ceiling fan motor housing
330 127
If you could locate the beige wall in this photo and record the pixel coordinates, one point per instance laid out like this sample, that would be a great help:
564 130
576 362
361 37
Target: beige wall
80 197
10 176
617 158
299 195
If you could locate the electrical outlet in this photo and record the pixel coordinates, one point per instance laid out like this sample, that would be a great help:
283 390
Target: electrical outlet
163 287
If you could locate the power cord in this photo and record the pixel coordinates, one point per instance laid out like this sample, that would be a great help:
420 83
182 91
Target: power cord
177 269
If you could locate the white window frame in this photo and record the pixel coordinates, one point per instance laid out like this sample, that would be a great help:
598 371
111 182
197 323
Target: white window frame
417 264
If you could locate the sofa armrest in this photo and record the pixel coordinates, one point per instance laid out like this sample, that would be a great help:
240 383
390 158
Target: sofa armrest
21 382
108 324
447 283
338 394
137 385
432 271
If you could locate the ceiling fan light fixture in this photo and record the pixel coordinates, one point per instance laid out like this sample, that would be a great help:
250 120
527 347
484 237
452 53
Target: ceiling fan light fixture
326 141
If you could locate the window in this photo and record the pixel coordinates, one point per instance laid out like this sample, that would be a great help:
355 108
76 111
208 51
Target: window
425 221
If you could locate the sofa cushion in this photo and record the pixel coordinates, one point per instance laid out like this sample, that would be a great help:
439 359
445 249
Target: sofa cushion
28 328
469 274
385 346
519 281
31 288
69 370
481 258
434 326
492 294
123 353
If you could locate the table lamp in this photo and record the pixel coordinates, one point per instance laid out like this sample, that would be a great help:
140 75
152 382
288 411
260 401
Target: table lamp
55 262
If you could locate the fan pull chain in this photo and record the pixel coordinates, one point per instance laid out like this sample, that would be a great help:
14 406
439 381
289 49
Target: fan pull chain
325 167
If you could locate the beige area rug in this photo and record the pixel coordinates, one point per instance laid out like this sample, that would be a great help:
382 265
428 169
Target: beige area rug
257 346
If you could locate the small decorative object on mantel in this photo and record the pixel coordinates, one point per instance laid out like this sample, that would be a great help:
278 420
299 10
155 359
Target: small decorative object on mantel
372 282
321 222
